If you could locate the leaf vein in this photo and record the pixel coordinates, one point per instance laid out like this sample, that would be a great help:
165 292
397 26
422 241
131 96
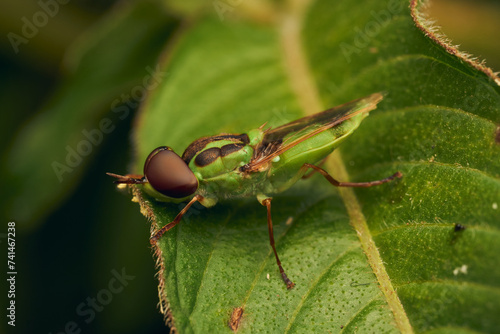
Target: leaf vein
306 295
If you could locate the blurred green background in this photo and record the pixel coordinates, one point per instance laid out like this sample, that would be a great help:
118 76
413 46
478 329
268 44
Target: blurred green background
71 254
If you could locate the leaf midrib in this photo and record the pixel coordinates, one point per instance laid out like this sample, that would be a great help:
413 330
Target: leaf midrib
302 83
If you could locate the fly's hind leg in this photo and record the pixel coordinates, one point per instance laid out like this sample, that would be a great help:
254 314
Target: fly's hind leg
311 173
351 184
176 220
267 203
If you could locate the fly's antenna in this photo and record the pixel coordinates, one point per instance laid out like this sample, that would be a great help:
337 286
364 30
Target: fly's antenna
128 179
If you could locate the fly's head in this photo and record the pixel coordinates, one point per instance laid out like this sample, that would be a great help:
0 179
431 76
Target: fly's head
166 176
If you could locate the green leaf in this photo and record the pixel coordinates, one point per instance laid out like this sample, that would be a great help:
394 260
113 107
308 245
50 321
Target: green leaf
383 259
50 153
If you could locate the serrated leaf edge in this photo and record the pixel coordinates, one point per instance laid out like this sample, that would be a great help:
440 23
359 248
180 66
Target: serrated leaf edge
432 31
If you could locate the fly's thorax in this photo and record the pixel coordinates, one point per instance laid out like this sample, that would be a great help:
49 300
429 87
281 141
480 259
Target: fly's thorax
220 157
255 136
234 184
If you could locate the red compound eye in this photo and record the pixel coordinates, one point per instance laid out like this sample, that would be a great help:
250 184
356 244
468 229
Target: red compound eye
169 174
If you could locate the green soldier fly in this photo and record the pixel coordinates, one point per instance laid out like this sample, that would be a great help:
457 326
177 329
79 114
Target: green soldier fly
258 163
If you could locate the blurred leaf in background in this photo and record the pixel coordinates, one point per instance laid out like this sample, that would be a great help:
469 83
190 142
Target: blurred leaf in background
111 71
82 249
68 261
473 25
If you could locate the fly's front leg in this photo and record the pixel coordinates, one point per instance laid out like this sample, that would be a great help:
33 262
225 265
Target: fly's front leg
351 184
267 203
176 221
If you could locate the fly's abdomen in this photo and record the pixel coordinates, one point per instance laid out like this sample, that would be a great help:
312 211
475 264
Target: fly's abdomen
313 150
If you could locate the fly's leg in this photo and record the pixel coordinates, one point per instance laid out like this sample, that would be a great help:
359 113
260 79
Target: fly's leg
176 221
311 173
308 174
267 203
351 184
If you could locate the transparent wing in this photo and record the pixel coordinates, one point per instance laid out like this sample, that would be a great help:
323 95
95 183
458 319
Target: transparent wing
280 139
